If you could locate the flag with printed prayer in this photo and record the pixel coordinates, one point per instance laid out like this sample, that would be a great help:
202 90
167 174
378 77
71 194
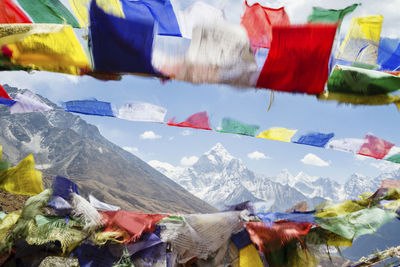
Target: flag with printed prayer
375 147
63 187
198 121
101 206
389 54
351 145
248 256
49 47
259 20
362 40
89 107
279 134
48 11
320 14
229 125
5 99
141 111
11 13
298 59
347 79
315 139
28 102
22 179
122 45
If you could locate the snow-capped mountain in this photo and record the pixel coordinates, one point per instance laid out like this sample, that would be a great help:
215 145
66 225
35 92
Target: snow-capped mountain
221 180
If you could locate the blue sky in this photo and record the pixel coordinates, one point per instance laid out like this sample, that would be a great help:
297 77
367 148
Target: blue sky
182 99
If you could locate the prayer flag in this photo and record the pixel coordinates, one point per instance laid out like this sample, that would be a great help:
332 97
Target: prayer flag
229 125
198 121
351 145
89 107
249 257
389 54
320 14
11 13
160 10
3 93
141 111
121 44
315 139
63 187
347 79
259 20
395 158
298 59
279 134
362 40
48 11
5 99
271 217
375 147
22 179
357 99
48 47
28 102
101 205
241 239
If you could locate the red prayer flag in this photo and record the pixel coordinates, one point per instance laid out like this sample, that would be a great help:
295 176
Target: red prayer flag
298 59
375 147
11 13
258 21
278 235
135 224
4 94
197 121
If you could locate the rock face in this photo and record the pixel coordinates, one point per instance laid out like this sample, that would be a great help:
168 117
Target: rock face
222 180
64 144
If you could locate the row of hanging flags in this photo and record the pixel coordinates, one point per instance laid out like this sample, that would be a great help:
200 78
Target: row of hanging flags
198 44
100 234
370 146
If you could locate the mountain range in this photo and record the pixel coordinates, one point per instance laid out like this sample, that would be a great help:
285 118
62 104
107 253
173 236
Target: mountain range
64 144
223 180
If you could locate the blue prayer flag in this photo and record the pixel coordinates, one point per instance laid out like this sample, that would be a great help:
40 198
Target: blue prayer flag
7 102
241 239
315 139
63 187
89 107
389 54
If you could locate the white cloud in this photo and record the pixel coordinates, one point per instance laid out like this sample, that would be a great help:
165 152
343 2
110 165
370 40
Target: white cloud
386 166
312 159
186 132
257 155
149 135
189 161
130 149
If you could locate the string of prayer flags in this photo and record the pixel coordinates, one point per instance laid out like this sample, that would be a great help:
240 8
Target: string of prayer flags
11 13
89 107
307 48
279 134
229 125
122 45
375 147
48 11
315 139
49 47
347 79
28 102
362 40
141 111
198 121
259 20
389 54
320 14
22 179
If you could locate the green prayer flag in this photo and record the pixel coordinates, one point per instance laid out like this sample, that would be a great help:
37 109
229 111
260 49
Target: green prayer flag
347 79
395 158
330 15
229 125
48 11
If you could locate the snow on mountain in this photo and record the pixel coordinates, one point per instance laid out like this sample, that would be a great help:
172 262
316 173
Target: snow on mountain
221 180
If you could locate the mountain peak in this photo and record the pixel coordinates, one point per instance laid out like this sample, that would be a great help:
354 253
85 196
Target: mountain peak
218 151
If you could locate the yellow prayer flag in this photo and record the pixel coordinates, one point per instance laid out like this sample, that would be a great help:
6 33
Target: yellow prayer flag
8 222
248 257
57 50
362 40
280 134
80 9
22 179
